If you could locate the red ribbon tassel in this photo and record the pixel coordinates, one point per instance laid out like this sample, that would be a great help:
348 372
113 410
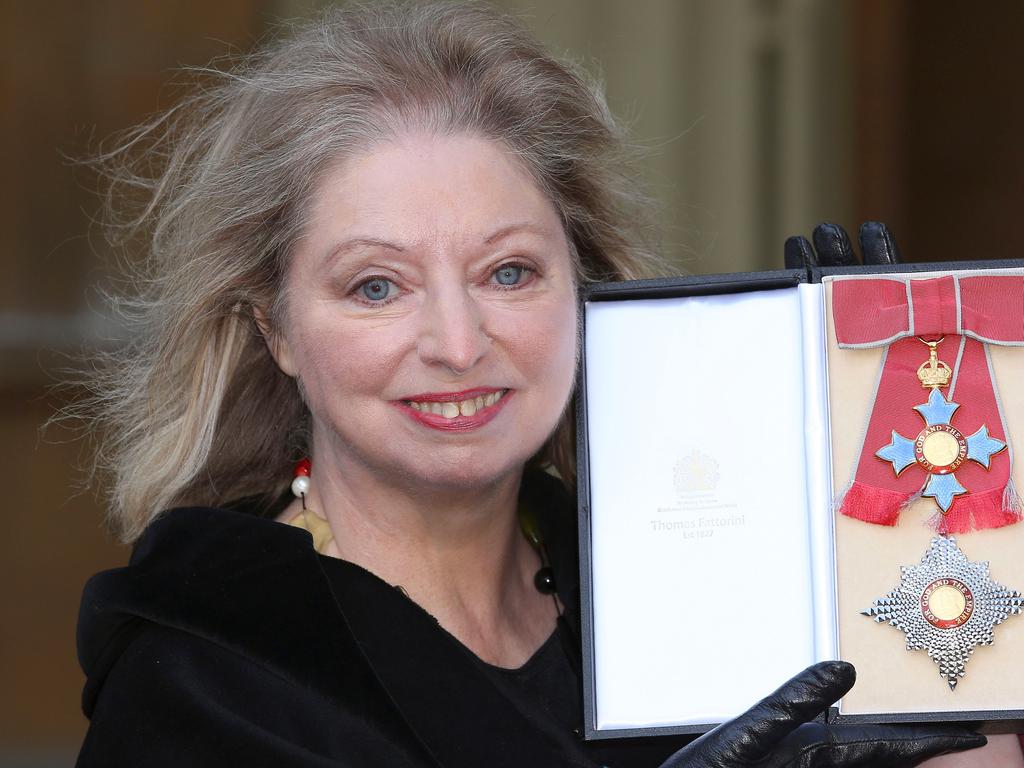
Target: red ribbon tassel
893 312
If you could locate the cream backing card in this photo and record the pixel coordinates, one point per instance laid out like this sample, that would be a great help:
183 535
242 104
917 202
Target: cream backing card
891 679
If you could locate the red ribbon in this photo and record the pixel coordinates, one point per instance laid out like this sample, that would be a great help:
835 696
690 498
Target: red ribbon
969 312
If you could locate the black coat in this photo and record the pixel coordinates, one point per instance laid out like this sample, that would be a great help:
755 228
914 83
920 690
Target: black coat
224 642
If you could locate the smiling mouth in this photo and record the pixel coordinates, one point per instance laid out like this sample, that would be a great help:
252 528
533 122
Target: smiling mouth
456 408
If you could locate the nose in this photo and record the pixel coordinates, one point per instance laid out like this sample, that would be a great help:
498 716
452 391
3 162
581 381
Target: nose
452 331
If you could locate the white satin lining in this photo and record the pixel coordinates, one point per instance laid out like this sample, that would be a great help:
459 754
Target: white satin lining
690 626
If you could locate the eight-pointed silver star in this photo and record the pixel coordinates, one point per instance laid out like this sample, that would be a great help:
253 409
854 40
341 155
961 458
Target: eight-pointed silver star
946 605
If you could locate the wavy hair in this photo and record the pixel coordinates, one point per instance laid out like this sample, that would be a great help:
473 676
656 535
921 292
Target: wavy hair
194 410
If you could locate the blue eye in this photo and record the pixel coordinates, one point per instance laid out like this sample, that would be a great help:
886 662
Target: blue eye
510 274
376 289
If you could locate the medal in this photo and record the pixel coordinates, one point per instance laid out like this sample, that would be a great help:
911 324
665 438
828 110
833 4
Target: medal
939 448
962 461
946 605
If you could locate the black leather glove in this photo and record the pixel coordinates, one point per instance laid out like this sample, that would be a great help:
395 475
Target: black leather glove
776 732
832 244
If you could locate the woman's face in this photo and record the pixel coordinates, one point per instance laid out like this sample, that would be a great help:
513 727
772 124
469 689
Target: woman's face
431 314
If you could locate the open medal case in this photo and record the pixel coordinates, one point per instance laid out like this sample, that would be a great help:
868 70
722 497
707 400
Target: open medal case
737 523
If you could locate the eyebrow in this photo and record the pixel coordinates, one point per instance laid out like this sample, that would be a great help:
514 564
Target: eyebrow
524 226
351 244
354 242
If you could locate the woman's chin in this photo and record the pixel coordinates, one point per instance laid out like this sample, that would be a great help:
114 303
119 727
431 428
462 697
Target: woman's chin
464 477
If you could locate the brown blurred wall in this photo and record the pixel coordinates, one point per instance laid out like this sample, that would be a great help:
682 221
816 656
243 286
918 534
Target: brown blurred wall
71 73
938 149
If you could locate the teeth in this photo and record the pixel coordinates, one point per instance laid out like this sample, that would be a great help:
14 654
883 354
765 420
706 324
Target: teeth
461 408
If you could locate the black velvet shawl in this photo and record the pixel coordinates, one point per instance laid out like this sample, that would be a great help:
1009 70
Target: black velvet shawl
224 642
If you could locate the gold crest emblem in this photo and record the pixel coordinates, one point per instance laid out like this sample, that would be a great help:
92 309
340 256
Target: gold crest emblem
696 471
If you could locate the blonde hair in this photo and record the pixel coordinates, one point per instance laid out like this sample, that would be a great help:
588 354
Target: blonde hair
194 410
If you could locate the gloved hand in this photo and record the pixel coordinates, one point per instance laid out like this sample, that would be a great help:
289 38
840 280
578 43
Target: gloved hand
832 244
776 732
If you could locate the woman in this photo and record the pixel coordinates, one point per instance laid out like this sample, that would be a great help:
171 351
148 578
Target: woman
364 247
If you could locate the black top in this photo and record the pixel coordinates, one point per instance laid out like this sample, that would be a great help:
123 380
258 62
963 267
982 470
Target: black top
546 690
229 641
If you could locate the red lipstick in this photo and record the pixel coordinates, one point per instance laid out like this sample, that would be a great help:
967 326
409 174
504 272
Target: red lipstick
459 423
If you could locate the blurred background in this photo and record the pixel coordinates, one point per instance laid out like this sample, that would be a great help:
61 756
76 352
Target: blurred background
760 117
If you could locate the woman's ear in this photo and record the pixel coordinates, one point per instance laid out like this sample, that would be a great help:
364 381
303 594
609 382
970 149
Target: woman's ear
275 341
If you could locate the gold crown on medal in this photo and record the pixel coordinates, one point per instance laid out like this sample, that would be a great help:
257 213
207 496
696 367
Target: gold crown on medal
934 372
696 471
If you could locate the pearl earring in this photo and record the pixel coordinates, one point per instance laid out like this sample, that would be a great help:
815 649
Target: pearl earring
308 520
300 485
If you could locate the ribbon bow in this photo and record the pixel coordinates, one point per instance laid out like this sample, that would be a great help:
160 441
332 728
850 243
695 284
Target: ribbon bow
970 312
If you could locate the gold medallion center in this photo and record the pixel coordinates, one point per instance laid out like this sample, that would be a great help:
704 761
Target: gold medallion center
940 448
946 602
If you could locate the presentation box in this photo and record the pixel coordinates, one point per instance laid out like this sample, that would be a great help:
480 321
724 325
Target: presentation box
722 422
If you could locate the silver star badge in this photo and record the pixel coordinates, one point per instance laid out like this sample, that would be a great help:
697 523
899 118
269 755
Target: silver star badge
946 605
